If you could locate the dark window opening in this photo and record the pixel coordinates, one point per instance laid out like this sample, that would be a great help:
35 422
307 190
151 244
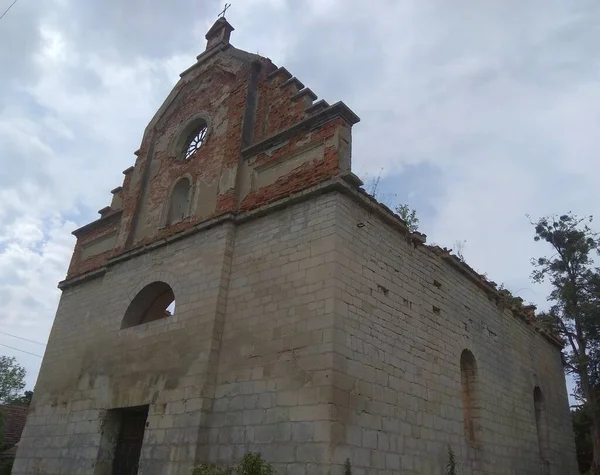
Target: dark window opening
132 423
468 376
540 421
153 302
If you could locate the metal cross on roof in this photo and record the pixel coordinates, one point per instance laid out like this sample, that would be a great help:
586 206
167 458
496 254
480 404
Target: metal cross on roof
222 14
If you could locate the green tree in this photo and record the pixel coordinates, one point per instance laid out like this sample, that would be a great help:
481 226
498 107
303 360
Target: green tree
575 312
583 439
24 400
12 379
409 215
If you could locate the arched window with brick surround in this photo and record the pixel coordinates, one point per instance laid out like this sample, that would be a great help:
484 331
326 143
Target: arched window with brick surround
153 302
179 203
540 421
468 377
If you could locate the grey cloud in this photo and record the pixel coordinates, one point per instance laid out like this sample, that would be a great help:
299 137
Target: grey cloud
477 111
124 29
19 38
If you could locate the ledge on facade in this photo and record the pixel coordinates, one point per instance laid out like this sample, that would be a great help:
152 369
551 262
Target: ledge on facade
348 184
205 55
502 297
280 71
317 106
339 109
79 279
105 219
127 171
295 81
118 189
307 91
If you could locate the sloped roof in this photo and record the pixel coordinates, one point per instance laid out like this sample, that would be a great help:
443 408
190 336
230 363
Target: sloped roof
13 422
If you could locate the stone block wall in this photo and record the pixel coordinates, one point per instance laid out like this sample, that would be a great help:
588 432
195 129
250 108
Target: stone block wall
91 365
403 317
274 378
311 331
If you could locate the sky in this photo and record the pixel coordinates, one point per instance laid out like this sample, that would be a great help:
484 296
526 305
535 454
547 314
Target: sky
474 113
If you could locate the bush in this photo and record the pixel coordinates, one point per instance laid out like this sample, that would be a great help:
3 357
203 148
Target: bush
6 466
251 464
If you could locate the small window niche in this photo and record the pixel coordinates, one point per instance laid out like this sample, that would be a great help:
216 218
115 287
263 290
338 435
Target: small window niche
179 201
468 377
153 302
541 424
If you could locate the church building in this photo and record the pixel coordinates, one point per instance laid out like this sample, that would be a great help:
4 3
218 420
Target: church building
243 293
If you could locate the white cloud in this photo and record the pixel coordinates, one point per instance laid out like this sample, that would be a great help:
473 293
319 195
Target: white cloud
494 103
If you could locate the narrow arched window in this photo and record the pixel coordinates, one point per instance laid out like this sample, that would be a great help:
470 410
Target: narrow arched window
154 301
468 378
180 201
540 421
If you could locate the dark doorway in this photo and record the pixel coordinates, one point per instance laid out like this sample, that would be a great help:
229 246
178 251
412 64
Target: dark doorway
129 442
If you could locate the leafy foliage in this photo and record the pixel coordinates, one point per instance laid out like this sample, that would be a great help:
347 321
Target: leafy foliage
254 464
12 379
251 464
583 440
347 467
209 469
6 466
409 215
575 312
24 400
451 467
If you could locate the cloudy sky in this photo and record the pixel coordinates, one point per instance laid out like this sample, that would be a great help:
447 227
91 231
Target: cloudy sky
475 113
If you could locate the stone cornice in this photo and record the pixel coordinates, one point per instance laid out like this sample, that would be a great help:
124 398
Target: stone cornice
104 220
339 109
347 184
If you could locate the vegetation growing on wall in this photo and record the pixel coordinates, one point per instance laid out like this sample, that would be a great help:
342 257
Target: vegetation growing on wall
251 464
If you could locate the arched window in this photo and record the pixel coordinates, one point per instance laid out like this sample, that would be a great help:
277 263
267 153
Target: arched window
540 421
195 139
154 301
180 201
468 378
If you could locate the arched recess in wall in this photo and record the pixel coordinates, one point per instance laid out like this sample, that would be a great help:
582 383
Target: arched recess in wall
191 137
541 424
179 201
154 301
468 378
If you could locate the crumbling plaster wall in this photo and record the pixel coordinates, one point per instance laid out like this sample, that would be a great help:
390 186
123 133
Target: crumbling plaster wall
244 99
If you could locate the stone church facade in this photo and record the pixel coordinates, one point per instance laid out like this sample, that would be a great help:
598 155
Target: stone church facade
243 293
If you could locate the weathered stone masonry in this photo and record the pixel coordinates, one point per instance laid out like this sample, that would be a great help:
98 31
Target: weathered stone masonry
309 325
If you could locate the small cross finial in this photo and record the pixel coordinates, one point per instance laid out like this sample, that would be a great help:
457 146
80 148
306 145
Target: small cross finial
222 14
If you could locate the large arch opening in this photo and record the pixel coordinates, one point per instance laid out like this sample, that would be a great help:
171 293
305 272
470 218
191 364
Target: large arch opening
468 377
153 302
